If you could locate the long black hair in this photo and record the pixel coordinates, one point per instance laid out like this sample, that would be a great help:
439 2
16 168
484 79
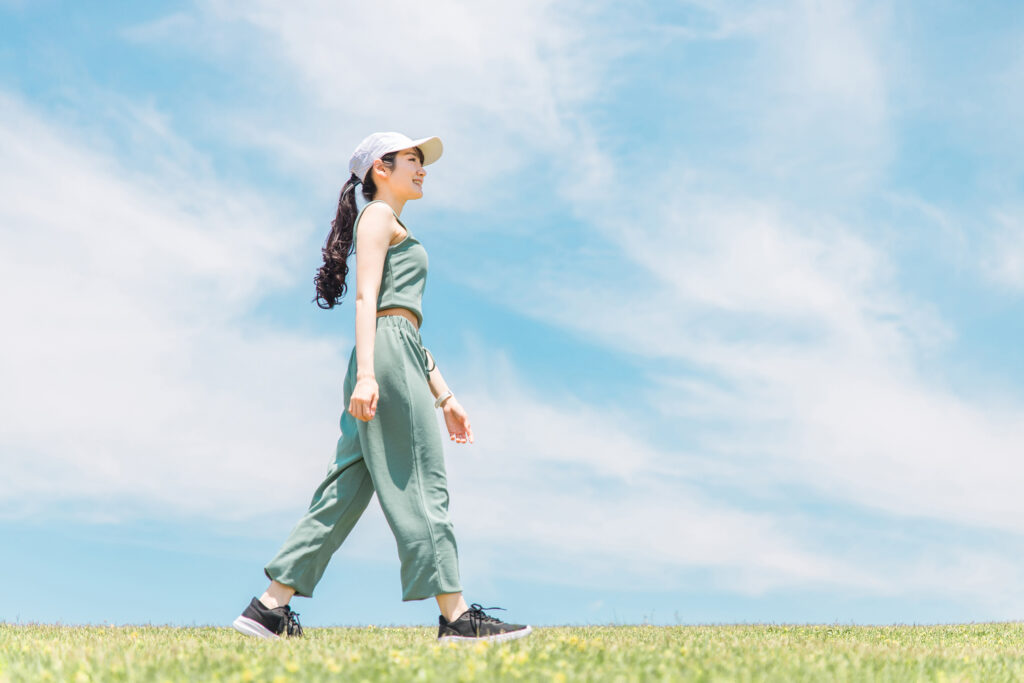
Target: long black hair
330 278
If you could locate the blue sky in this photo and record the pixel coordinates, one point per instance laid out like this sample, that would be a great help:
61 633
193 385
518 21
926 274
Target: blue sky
732 294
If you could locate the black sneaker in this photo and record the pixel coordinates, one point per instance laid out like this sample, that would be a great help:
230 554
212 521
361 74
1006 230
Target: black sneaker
260 621
474 625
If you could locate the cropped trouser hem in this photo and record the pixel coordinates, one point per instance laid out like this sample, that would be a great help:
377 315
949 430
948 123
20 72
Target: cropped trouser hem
304 589
283 578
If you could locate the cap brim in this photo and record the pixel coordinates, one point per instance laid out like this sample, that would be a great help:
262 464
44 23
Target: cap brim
431 148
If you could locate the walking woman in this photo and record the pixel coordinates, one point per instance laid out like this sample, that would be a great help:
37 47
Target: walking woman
390 441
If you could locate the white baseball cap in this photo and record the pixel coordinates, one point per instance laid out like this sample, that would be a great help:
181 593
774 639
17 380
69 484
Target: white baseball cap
377 145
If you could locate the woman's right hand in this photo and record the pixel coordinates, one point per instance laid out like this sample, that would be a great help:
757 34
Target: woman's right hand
363 404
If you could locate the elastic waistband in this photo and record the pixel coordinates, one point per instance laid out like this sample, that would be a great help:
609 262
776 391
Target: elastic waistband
397 321
402 323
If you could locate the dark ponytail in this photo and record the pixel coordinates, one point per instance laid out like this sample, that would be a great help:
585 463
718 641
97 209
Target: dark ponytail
330 278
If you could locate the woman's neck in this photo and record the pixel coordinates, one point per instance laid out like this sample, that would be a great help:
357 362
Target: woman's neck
394 202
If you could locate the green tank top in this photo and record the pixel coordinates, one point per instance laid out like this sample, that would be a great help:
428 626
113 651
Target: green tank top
405 271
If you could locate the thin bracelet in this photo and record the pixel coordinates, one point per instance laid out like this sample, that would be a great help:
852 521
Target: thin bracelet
442 397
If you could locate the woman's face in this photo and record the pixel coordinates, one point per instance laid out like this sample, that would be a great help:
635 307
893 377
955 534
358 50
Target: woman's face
406 178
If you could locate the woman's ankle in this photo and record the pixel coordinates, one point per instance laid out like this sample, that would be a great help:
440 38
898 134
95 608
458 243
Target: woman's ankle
452 605
269 602
276 595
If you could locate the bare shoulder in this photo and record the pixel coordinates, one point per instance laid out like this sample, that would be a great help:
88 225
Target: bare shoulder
377 223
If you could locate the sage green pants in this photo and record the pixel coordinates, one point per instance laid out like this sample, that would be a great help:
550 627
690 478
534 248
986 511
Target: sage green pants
399 455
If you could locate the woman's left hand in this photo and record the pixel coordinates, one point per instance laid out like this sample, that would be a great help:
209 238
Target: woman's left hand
457 421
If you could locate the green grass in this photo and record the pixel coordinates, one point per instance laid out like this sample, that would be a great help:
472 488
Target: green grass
974 652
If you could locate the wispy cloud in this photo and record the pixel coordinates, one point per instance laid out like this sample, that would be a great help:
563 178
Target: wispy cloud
132 372
786 352
584 488
780 336
778 351
500 84
147 389
1003 258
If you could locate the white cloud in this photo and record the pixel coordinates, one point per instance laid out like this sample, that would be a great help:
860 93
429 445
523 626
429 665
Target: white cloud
1002 257
131 371
807 351
812 352
146 388
577 485
791 95
499 83
784 350
150 385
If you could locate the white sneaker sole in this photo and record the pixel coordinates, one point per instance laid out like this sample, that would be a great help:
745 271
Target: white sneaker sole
496 638
253 628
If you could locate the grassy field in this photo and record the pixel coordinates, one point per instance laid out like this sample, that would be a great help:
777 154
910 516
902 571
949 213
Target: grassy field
974 652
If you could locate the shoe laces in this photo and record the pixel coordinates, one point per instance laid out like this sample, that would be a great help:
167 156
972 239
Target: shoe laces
292 626
477 615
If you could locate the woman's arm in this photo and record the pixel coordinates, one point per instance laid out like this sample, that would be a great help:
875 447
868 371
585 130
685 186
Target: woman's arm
455 417
438 386
376 229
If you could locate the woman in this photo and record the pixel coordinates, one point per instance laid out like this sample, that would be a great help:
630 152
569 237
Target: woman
390 441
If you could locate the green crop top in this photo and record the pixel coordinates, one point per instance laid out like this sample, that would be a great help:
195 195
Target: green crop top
405 271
